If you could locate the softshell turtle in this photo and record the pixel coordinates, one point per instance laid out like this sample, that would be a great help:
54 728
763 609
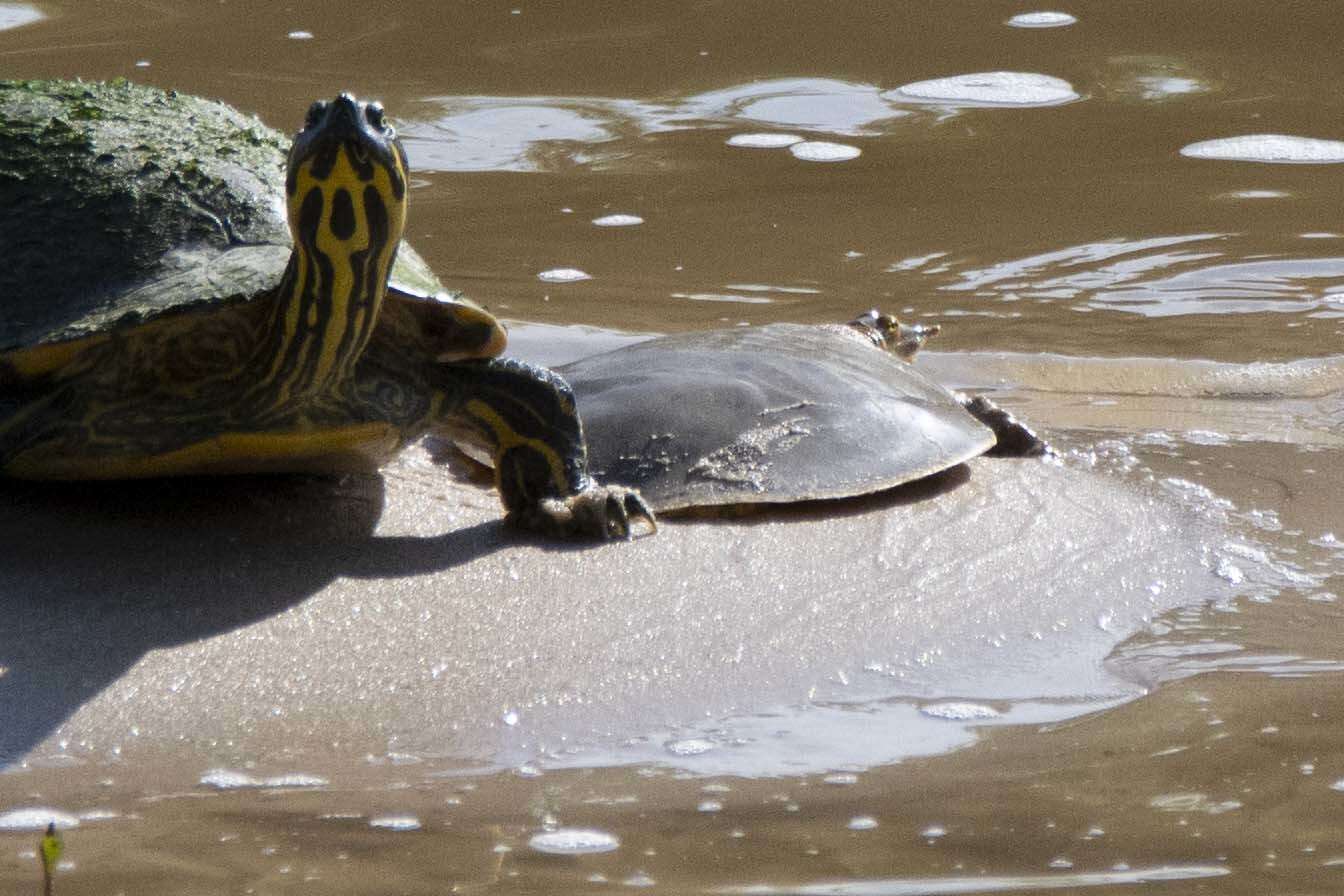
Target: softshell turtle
169 308
779 414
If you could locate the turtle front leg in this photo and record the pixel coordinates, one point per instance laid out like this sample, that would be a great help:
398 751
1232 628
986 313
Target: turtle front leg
1013 437
525 417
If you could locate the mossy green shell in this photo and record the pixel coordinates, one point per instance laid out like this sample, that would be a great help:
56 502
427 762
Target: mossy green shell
122 203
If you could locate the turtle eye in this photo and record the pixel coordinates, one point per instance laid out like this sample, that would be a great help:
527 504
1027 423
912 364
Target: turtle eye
374 113
315 113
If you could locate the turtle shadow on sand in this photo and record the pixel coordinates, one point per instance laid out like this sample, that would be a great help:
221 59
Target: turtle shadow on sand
95 575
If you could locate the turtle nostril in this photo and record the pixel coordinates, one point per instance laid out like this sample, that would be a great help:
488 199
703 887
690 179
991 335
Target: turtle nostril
374 113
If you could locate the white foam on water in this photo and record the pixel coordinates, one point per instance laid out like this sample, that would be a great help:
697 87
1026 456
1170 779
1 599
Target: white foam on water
574 842
1042 19
1012 89
764 141
618 221
1192 802
1281 149
691 746
300 35
231 779
959 711
395 822
564 275
36 818
862 823
841 779
823 151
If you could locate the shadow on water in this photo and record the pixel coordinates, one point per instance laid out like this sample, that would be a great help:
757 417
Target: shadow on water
95 575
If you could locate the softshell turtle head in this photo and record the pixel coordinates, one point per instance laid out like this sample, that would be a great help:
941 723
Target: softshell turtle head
886 332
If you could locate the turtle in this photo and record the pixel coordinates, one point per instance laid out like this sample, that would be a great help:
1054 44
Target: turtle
188 292
779 414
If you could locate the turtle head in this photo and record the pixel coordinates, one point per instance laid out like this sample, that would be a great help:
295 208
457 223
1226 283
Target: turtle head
347 176
886 332
346 191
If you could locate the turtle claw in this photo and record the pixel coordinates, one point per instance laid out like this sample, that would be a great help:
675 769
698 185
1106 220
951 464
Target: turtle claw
1013 437
603 511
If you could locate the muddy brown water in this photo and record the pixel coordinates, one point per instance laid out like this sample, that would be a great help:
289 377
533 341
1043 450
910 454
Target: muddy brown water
1174 322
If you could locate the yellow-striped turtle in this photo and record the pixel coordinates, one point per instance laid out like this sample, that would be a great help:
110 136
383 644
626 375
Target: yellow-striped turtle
168 308
780 413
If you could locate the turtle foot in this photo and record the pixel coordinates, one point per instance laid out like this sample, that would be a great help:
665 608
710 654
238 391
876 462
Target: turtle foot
1013 437
601 511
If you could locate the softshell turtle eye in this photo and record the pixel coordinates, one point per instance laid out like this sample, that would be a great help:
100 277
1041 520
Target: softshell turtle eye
315 113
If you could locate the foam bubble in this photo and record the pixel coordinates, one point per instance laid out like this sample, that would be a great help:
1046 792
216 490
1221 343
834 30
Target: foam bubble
862 823
574 842
14 15
564 275
1042 19
764 141
618 220
300 35
959 712
395 822
1284 149
823 151
36 819
1018 89
230 779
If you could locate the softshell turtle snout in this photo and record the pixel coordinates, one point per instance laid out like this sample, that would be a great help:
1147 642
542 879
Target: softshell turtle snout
910 338
902 340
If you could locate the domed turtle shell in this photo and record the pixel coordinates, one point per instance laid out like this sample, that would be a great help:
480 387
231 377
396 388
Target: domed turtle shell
123 203
770 414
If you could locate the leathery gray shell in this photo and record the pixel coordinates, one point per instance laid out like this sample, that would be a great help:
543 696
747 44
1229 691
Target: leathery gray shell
772 414
122 203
